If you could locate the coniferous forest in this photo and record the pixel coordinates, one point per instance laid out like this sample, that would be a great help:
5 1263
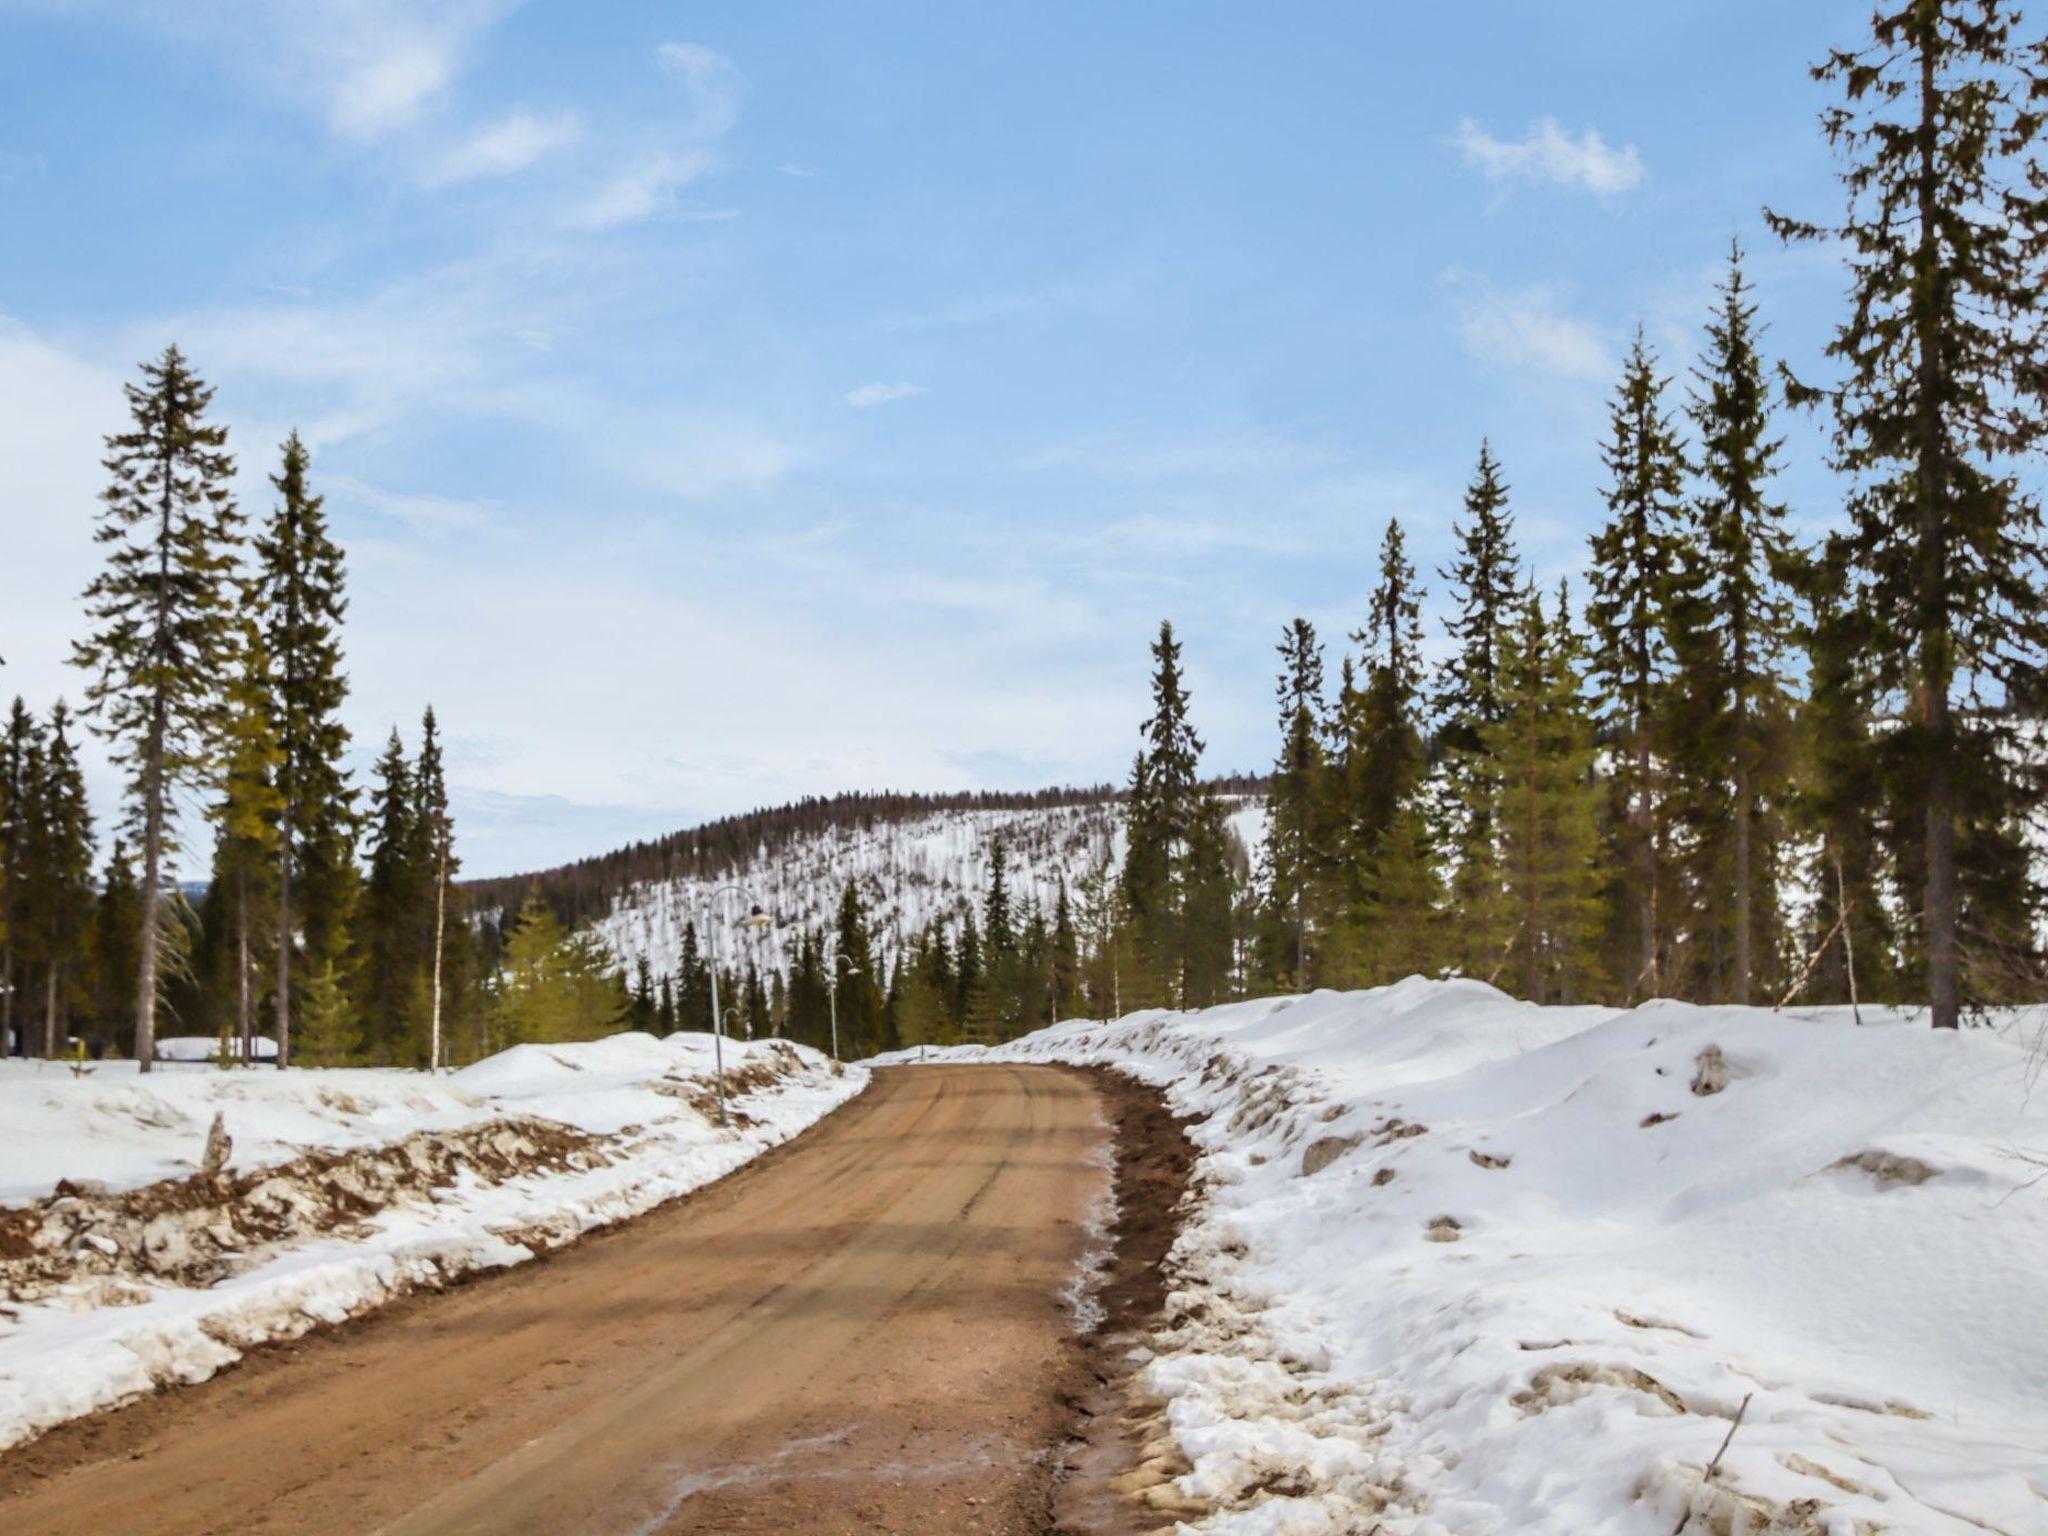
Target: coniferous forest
1723 764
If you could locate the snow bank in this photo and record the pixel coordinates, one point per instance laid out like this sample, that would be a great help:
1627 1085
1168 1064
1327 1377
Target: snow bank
632 1123
1463 1264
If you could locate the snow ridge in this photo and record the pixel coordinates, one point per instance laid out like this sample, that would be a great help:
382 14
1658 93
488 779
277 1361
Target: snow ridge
1464 1264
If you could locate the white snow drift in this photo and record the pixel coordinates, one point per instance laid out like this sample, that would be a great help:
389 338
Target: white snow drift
1463 1264
637 1104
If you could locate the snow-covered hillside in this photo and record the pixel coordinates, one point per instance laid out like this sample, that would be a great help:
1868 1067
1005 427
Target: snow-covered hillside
1463 1264
127 1262
908 872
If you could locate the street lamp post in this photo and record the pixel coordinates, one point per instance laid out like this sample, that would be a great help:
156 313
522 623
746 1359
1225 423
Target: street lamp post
756 918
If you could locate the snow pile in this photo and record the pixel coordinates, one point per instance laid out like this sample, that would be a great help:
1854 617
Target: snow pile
1463 1264
128 1263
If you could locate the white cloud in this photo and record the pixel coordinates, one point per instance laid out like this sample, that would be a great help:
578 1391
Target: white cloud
503 148
866 395
1523 329
641 190
1547 153
712 83
647 185
371 66
801 172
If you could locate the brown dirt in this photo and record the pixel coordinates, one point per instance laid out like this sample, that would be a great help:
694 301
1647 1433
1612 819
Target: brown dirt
859 1332
1115 1481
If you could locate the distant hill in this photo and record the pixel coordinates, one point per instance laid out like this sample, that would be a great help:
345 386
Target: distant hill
913 857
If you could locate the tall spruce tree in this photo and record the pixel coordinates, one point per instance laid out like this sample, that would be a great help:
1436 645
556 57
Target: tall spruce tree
1630 652
1161 809
161 647
17 818
60 902
1483 578
435 830
1734 713
1294 802
1943 391
299 583
1386 847
387 942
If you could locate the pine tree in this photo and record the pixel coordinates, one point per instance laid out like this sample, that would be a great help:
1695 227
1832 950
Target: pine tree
1630 653
858 988
386 929
1943 395
1386 850
1543 925
116 933
435 831
1732 717
1483 577
1161 810
246 817
328 1033
299 582
1066 957
162 642
60 898
17 817
1294 805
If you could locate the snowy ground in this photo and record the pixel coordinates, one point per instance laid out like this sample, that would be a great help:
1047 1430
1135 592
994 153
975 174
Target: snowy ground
343 1190
1462 1264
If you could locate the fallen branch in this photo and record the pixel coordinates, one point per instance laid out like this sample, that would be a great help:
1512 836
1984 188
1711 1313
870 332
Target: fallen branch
1714 1466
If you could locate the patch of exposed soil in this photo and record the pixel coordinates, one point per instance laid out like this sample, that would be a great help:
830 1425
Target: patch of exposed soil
1116 1478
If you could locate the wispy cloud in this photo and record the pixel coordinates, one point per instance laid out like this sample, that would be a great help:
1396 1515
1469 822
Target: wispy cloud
1524 329
712 82
1547 153
503 148
801 172
641 190
371 67
863 396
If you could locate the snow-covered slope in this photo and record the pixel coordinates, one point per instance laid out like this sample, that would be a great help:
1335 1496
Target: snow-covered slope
342 1189
1463 1264
908 872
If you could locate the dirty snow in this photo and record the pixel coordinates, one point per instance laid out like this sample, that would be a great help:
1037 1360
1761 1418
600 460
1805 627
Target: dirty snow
1547 1253
102 1341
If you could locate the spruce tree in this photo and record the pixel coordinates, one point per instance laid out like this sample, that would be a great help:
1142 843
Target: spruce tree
246 820
17 818
1543 925
1733 711
116 933
1942 395
434 828
1066 957
1630 651
1386 849
1294 803
162 640
60 898
1161 808
386 937
299 583
1483 577
859 988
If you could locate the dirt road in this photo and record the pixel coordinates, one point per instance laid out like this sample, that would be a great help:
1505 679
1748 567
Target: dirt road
863 1332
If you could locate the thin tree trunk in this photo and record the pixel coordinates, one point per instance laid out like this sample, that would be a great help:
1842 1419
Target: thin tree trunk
7 1041
245 1012
51 988
1742 888
152 909
440 929
284 933
1936 664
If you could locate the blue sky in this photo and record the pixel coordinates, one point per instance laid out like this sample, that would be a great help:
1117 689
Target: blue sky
724 402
